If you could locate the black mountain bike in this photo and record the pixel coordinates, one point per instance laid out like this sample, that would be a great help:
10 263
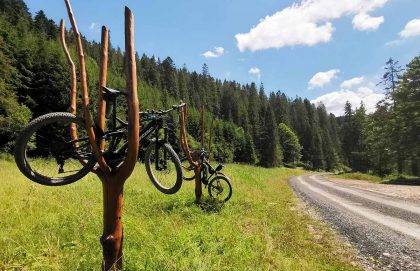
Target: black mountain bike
46 153
218 184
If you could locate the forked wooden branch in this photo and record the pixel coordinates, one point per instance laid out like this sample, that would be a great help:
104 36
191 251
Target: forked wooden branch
85 92
184 138
103 73
193 157
73 79
73 86
210 136
202 126
112 180
130 160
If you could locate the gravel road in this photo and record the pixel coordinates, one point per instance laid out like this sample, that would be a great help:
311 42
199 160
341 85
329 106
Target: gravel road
383 228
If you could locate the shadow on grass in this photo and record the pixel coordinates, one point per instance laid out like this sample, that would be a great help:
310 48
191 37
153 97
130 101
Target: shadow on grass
403 181
211 205
207 204
175 205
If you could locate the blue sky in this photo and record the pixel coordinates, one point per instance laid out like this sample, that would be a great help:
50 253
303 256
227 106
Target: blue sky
305 49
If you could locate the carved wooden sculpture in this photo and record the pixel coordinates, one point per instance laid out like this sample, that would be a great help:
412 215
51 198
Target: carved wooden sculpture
113 179
192 156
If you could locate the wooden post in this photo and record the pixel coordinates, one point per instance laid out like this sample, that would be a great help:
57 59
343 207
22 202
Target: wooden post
112 179
202 126
103 74
193 157
73 80
210 136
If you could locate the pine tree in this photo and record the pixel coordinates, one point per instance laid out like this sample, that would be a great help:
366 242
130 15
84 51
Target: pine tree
271 153
168 77
390 79
290 145
378 141
45 26
406 118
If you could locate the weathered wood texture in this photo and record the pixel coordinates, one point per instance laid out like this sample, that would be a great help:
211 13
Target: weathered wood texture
103 75
193 157
113 179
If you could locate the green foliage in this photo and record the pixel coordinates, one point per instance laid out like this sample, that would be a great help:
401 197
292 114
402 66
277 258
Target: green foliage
271 152
12 117
290 144
406 119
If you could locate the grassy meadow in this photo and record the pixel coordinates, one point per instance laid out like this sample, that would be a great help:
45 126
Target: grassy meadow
260 228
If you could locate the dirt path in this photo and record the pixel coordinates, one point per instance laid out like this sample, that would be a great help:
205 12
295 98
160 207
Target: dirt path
383 223
409 192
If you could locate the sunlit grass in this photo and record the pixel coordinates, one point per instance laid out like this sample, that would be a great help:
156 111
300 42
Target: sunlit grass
389 179
359 176
260 228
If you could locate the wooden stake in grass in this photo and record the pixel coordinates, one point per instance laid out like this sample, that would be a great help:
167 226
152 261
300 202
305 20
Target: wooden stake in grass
193 157
113 179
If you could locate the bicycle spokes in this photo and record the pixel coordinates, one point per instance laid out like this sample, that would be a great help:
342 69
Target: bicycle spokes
163 167
52 153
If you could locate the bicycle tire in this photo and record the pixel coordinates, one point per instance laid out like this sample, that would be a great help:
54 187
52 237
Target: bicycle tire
188 174
22 143
174 158
211 185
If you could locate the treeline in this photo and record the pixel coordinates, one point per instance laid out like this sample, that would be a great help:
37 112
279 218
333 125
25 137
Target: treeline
387 141
246 124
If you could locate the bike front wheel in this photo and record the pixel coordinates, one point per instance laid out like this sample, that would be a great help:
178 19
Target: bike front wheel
163 167
46 154
220 188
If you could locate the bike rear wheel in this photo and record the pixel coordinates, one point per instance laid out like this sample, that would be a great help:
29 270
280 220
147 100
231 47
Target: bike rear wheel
188 173
46 154
220 188
163 167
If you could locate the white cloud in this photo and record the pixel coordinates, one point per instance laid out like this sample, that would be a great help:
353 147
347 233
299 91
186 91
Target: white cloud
93 26
393 43
320 79
305 23
411 29
255 72
217 52
347 84
365 22
335 101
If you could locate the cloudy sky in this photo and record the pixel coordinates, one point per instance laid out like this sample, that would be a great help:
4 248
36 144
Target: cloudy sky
326 50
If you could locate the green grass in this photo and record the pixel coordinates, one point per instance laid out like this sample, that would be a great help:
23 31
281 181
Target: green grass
390 179
261 228
359 176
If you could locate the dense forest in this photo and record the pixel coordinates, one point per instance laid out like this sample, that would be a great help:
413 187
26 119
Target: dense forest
248 126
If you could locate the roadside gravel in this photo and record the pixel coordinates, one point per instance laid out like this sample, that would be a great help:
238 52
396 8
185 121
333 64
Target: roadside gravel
382 225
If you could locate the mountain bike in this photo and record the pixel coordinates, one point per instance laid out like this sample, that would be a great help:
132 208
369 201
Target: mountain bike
218 184
46 153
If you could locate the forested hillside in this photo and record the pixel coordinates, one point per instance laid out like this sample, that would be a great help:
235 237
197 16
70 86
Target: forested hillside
250 126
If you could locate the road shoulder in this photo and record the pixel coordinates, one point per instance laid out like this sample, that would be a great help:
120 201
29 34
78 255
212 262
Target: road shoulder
408 192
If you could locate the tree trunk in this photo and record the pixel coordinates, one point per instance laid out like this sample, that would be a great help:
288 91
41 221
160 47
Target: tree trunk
400 163
112 237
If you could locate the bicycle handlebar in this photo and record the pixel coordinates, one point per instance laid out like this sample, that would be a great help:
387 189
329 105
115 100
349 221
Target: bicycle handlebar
162 112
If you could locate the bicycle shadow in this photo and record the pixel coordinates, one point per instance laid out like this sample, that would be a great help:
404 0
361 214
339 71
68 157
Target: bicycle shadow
211 205
207 205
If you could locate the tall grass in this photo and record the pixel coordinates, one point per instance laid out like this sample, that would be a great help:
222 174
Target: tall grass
45 228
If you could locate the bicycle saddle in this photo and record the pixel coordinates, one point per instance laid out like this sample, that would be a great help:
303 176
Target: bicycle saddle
112 93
